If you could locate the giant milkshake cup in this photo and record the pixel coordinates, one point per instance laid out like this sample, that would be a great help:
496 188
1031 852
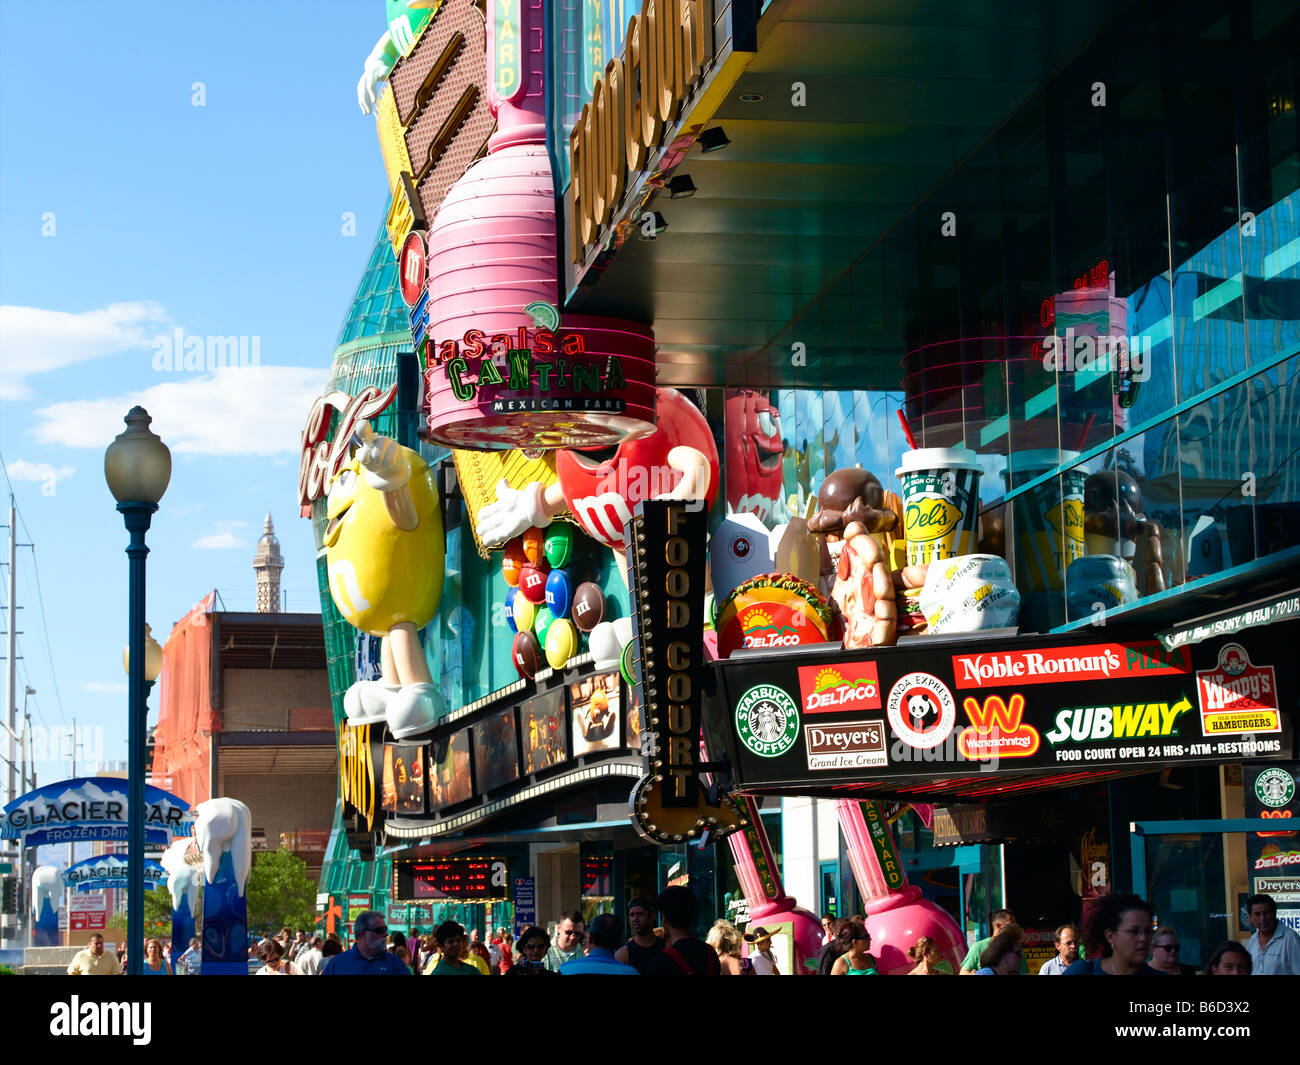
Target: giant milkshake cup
941 502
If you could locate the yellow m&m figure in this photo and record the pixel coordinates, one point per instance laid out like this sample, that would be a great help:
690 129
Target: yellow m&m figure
384 555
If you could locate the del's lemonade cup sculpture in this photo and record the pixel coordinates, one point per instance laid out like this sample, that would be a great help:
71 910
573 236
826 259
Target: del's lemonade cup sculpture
940 502
1048 517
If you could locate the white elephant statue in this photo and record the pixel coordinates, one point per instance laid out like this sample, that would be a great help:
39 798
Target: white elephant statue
182 878
47 884
224 825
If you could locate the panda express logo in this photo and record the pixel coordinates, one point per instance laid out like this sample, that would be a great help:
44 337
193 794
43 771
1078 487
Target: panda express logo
921 710
847 686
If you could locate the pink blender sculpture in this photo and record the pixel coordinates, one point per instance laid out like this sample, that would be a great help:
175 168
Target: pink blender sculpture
769 905
897 915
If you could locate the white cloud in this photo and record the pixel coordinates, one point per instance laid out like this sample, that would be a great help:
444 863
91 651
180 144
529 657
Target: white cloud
244 410
223 538
22 470
110 687
218 542
34 340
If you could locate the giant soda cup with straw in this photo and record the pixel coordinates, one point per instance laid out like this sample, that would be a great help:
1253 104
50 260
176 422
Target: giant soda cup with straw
940 502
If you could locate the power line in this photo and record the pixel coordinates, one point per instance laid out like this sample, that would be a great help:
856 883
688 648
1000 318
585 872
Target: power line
40 599
45 628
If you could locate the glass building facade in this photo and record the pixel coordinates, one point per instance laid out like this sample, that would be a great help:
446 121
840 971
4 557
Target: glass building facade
1103 302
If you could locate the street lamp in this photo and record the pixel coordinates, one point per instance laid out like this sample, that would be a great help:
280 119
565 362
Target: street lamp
137 467
152 659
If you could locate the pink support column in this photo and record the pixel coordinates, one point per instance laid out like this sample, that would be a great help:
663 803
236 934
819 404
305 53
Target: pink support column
769 905
897 915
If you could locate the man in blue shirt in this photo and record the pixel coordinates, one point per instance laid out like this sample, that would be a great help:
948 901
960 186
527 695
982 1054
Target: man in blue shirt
1067 951
605 936
369 954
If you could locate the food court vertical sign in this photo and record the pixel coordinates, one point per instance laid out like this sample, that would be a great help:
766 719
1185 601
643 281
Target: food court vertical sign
666 543
668 620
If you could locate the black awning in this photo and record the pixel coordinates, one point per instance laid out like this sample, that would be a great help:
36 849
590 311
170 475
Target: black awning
1268 611
987 717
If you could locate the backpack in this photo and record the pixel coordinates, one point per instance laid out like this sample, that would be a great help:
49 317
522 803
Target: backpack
680 961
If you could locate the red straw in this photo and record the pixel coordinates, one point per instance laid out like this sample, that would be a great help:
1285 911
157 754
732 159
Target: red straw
907 431
1087 428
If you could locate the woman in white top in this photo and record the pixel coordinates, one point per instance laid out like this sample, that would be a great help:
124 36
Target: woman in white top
273 961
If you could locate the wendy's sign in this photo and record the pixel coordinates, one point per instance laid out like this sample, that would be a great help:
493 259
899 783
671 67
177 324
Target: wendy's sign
588 382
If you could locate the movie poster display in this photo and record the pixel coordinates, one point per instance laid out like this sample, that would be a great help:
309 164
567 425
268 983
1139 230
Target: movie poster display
595 705
634 723
541 726
449 771
496 751
403 781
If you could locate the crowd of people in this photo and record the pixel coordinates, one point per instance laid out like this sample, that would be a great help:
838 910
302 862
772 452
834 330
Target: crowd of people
1117 940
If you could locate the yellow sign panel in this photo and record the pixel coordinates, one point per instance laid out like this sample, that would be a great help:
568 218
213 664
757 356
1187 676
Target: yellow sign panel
479 473
356 771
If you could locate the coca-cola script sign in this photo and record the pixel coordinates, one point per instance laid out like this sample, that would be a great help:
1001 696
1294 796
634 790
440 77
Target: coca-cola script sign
321 458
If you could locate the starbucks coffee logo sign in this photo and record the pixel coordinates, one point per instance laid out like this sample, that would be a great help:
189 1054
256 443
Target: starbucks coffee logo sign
1275 788
767 720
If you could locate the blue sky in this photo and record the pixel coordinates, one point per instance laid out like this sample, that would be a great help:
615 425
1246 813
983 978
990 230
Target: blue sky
128 212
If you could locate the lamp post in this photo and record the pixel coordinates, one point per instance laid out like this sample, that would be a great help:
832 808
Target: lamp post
137 467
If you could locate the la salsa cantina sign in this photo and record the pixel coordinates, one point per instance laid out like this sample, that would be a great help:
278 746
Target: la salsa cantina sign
564 381
586 382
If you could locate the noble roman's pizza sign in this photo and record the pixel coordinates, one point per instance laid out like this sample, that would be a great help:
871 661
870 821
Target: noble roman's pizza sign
1005 706
1100 661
